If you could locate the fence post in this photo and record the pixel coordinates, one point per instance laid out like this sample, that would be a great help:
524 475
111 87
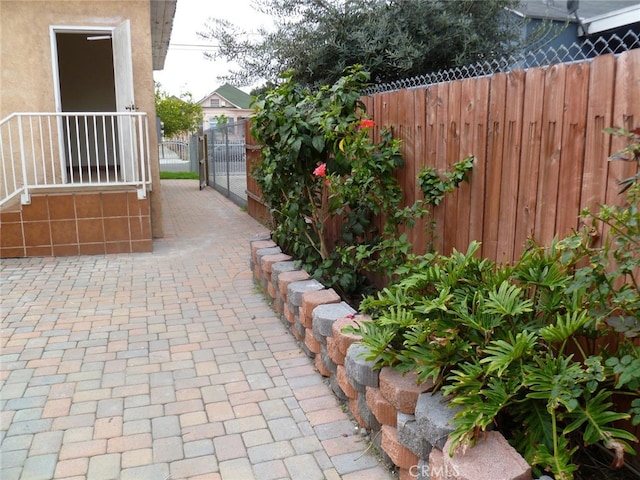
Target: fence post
226 155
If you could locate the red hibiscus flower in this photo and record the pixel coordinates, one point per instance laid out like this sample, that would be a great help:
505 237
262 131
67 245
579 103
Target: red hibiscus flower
320 170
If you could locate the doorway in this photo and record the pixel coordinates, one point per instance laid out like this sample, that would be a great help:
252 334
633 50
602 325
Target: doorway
93 73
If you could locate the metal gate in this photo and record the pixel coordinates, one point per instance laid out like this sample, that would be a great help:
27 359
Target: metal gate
174 156
227 169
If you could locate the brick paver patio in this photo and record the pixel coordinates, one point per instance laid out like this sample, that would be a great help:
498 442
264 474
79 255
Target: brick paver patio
167 365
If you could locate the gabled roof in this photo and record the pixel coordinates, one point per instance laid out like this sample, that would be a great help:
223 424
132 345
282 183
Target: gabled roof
233 95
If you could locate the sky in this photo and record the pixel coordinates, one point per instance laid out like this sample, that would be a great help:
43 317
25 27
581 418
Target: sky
185 68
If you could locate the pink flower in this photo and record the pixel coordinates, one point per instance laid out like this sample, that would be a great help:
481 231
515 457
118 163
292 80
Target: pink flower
321 170
366 123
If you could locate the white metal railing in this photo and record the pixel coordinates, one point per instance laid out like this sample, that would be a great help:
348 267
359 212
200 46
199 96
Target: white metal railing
71 149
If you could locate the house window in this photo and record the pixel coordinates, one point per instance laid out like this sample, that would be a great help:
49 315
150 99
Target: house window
214 102
213 121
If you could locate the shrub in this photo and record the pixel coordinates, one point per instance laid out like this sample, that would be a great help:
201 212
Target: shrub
517 346
319 163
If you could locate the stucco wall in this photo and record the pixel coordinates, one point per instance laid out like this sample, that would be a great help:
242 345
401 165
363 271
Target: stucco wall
26 73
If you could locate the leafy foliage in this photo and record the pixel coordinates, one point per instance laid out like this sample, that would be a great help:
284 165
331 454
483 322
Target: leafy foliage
178 115
319 162
515 344
319 40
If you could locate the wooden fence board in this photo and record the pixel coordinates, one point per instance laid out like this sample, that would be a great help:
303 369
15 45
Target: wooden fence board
432 141
467 126
452 151
495 146
407 124
418 237
477 178
550 148
599 115
572 150
510 164
626 114
529 160
442 141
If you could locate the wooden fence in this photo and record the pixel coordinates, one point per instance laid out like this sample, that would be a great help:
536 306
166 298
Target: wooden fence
539 146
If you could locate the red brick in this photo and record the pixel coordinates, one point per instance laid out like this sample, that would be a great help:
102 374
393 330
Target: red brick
402 390
491 457
310 341
437 468
384 412
285 278
295 332
344 340
266 262
311 300
345 384
320 367
399 454
271 290
407 474
288 314
334 352
257 245
353 408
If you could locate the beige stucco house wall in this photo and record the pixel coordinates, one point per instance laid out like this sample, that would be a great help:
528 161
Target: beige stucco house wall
27 72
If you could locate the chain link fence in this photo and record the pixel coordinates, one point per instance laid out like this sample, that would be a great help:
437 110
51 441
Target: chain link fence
578 51
227 160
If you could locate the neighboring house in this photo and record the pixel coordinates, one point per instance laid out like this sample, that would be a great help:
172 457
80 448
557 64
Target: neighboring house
79 171
227 101
575 21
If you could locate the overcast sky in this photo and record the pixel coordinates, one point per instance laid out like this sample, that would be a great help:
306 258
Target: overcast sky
185 68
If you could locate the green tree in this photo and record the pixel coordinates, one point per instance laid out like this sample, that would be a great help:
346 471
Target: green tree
178 115
392 39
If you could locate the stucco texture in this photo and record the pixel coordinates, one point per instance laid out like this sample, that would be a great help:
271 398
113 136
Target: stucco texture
27 71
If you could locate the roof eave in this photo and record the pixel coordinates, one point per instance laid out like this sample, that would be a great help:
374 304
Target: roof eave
611 20
162 13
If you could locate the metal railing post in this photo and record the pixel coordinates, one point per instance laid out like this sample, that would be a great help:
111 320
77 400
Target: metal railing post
26 198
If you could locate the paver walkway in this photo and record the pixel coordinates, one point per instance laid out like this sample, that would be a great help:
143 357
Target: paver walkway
168 365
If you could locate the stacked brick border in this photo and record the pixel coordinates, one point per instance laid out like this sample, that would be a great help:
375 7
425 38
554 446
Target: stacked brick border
406 422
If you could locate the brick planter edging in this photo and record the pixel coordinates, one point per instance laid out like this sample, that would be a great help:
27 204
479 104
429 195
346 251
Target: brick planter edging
407 423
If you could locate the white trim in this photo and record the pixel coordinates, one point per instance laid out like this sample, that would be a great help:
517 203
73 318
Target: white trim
611 20
53 29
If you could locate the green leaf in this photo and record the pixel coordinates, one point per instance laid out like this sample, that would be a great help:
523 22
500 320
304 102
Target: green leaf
501 354
508 301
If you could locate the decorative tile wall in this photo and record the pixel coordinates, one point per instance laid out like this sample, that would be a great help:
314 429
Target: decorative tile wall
78 223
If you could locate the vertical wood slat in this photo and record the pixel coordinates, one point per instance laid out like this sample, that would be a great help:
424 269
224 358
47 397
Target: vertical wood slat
529 161
452 222
431 148
495 145
441 141
510 164
417 233
572 150
477 178
551 147
626 114
406 176
467 145
599 114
